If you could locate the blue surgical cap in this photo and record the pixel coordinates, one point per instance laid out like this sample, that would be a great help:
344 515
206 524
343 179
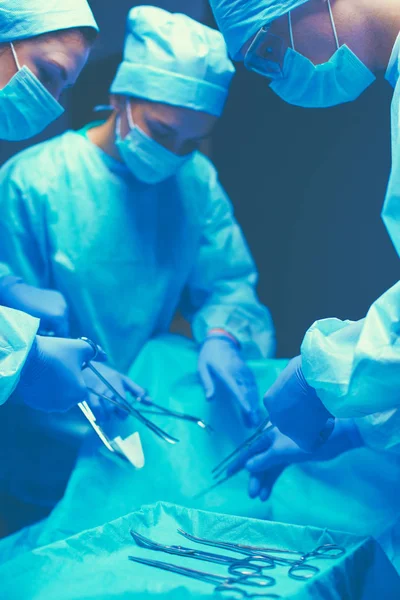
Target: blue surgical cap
239 20
171 58
21 19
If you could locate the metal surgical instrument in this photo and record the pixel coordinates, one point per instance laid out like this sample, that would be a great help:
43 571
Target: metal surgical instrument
299 568
224 584
160 410
229 460
300 565
145 400
120 401
246 567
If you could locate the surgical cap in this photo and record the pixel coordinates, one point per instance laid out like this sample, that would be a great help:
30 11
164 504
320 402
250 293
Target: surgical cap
239 20
171 58
21 19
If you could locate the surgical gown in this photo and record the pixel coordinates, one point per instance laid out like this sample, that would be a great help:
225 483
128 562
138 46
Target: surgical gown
127 255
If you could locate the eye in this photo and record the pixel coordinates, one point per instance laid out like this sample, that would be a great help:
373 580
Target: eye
160 132
46 76
192 145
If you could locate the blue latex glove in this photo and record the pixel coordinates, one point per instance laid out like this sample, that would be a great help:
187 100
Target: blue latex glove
52 379
103 409
294 407
224 373
273 452
47 305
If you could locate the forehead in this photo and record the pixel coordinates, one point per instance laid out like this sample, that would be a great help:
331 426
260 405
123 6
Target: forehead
311 17
176 116
68 46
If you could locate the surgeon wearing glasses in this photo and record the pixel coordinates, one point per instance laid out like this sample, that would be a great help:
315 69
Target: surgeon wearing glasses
318 54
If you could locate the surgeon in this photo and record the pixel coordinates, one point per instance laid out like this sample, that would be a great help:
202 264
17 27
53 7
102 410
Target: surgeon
131 224
43 47
317 54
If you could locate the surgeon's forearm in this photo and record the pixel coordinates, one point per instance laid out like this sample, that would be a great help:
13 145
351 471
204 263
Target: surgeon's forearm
221 331
249 323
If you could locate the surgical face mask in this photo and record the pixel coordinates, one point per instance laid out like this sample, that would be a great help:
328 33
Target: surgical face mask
342 79
147 160
26 106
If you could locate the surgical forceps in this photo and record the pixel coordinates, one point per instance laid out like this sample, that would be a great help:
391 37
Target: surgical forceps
167 412
223 584
299 568
160 410
251 566
119 401
218 471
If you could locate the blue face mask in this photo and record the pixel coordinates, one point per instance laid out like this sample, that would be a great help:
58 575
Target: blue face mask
26 106
342 79
147 160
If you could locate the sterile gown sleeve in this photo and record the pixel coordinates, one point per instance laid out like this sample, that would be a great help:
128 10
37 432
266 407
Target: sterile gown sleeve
17 334
23 240
355 366
17 329
221 292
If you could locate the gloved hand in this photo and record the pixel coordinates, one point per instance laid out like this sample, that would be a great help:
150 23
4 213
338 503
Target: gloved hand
223 372
294 407
47 305
52 379
102 409
273 452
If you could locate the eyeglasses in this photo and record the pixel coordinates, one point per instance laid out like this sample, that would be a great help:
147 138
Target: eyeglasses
266 54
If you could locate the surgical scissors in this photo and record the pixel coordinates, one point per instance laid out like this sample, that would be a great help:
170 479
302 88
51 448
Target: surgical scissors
251 566
223 584
265 426
299 568
120 401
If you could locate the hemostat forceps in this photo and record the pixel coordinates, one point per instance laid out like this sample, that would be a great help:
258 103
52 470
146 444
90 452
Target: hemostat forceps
299 568
225 584
167 412
249 566
218 471
120 401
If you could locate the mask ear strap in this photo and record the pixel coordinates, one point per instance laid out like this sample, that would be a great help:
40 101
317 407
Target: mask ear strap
291 30
131 122
15 56
333 24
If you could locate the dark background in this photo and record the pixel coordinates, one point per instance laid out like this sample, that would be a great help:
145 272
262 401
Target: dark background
307 185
